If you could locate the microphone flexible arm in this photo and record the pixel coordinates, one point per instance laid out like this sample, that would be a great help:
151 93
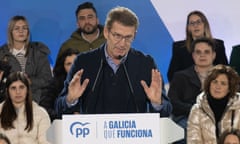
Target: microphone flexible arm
98 74
131 87
95 82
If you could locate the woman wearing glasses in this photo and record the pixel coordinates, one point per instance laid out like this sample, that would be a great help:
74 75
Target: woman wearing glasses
26 56
188 83
197 26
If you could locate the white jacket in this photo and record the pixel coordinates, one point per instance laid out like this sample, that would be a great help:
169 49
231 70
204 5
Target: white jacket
41 122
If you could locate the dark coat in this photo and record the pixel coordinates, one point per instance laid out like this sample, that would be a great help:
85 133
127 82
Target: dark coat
37 66
234 58
50 95
184 88
139 68
5 68
182 58
76 41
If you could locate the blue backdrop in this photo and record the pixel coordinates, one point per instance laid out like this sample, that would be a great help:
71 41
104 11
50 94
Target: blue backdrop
53 21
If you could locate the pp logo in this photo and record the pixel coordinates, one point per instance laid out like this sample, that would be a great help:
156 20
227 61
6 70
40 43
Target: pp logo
77 129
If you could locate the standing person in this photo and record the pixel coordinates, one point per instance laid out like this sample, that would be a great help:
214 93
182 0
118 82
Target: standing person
188 83
114 78
60 70
21 119
234 58
197 26
26 56
230 137
217 108
89 34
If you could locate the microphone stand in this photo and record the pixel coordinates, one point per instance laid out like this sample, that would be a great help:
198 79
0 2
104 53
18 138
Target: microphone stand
131 87
95 82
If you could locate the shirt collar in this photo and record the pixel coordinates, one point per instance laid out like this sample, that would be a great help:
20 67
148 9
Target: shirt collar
17 51
108 58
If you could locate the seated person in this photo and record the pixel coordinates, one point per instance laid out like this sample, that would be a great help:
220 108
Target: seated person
27 56
60 70
230 137
217 108
187 84
89 33
22 120
197 26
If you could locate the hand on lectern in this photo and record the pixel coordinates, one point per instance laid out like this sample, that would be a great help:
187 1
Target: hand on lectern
76 88
154 92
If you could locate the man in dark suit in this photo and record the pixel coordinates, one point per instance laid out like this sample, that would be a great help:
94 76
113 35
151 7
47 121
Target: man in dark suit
115 78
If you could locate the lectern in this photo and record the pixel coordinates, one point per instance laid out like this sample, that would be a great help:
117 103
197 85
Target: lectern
114 129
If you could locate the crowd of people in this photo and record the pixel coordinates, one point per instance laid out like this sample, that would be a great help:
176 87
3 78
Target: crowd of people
97 72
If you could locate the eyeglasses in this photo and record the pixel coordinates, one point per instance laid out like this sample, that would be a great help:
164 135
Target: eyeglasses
18 28
118 37
193 23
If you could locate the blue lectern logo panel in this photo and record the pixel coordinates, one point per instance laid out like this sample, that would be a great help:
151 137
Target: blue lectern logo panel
79 129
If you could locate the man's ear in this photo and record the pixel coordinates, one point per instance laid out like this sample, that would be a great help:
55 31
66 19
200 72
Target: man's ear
105 32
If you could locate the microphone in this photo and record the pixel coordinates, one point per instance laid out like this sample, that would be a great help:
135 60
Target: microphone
120 57
95 83
130 86
98 74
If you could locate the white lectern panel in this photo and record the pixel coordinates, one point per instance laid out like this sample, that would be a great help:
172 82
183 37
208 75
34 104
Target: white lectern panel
169 131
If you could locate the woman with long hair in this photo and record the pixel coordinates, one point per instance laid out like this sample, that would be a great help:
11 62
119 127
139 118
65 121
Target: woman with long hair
60 70
26 56
21 119
197 26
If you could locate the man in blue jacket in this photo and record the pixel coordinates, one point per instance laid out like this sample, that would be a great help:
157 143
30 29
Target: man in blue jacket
114 78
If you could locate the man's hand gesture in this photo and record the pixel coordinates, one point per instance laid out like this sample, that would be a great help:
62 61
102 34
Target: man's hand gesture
75 88
154 91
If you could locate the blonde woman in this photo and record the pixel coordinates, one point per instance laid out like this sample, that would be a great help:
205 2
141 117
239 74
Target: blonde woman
29 57
197 26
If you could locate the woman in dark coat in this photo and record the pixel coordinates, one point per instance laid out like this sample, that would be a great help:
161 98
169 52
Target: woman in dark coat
197 26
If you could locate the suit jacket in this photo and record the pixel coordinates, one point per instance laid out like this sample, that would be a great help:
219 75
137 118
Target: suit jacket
234 58
182 58
184 88
139 68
